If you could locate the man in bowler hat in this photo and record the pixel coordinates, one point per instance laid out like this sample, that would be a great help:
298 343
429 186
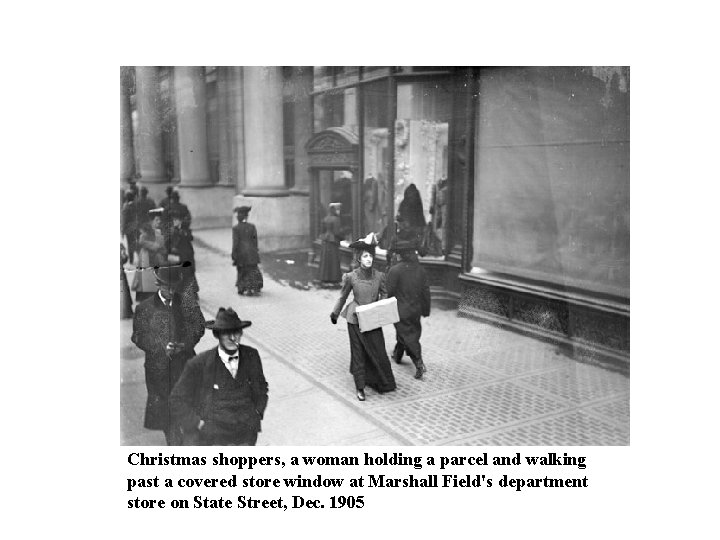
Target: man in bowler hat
221 396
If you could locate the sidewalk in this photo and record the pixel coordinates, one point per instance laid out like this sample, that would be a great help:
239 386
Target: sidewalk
484 385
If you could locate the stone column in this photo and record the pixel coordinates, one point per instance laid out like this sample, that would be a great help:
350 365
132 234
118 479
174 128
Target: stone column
226 124
281 220
190 102
127 152
238 125
149 147
263 119
303 85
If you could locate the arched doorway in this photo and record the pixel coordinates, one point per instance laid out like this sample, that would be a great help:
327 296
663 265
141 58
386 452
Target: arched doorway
335 177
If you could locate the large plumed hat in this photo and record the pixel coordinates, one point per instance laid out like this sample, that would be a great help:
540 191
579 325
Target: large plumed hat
366 244
227 320
243 210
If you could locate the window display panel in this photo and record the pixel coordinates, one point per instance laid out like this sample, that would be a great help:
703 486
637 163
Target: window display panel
376 158
421 160
552 178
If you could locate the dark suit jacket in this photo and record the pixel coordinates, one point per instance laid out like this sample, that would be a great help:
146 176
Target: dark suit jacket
191 395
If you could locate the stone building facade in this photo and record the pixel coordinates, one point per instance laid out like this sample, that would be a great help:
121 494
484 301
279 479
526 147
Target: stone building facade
523 174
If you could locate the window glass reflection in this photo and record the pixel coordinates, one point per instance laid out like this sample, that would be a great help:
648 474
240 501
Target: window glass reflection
421 161
376 158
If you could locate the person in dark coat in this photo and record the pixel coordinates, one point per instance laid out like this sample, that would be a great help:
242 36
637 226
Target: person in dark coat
165 202
369 362
329 271
245 255
408 282
166 327
180 245
222 393
143 205
179 209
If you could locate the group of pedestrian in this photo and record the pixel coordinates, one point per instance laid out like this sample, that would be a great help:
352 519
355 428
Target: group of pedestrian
408 283
217 397
155 236
405 280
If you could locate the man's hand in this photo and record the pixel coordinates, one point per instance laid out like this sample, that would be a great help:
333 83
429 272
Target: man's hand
174 347
333 318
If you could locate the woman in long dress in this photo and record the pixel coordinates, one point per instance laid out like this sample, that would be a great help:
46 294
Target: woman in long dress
245 254
369 363
329 271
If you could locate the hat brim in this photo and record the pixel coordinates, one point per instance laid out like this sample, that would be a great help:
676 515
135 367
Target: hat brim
210 325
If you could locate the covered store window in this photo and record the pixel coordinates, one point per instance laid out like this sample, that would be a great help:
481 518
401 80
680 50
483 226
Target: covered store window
421 152
552 176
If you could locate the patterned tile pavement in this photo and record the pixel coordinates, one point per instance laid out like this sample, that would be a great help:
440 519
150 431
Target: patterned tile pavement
484 385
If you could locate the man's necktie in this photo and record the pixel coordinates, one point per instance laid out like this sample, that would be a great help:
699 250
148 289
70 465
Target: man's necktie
232 362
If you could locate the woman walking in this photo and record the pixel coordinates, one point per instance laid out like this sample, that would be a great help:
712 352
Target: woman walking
245 255
329 272
369 363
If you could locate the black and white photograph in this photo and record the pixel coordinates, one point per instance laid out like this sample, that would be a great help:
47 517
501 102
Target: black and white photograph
395 300
375 255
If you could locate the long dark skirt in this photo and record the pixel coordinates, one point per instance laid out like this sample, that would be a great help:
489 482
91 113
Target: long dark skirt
329 270
249 278
369 362
407 334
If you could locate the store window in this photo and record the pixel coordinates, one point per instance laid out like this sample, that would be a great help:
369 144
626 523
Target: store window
421 158
376 158
552 178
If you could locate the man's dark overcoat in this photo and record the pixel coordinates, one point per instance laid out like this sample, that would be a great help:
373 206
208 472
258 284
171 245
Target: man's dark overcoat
206 391
154 326
407 281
